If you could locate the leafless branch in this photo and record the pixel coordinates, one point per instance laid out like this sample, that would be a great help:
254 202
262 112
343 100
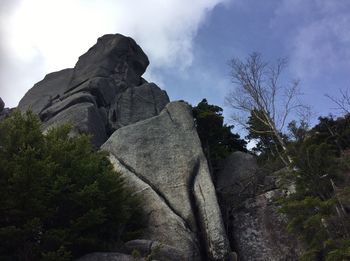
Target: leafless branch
258 88
343 102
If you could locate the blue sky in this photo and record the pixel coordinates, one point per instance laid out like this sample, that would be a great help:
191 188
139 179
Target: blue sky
189 43
314 36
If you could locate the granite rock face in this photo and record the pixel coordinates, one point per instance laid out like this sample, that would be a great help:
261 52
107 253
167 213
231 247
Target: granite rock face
259 231
103 92
162 158
153 144
256 229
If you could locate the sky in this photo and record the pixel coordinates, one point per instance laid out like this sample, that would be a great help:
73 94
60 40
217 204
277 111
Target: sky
189 43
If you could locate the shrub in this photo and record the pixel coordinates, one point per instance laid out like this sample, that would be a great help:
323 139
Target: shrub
59 198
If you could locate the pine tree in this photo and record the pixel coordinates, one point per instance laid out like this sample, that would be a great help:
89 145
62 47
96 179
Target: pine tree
60 198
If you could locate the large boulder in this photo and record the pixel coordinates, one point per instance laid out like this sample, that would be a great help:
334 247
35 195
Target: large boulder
46 91
113 56
256 229
161 158
237 178
103 92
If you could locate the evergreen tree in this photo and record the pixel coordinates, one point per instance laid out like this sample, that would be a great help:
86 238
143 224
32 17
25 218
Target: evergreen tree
60 199
318 211
216 137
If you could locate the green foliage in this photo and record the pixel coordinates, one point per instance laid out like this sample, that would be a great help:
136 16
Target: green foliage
136 255
267 146
318 211
60 199
216 137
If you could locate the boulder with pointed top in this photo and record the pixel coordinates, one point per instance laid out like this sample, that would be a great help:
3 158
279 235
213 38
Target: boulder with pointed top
103 92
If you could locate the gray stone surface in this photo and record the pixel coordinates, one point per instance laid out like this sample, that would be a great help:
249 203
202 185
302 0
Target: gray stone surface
164 153
137 103
84 118
58 106
163 224
108 76
256 229
239 170
44 92
113 56
237 180
260 232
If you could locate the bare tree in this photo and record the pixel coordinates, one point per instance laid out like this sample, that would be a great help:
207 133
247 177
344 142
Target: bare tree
342 102
258 89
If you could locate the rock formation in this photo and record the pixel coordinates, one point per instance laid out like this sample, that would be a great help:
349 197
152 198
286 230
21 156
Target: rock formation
256 229
163 159
103 92
152 143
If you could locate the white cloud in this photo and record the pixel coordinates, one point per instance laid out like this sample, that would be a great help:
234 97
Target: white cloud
320 35
41 36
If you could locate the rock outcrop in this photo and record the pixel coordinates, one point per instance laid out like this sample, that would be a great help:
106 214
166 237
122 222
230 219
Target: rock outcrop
103 92
162 159
152 143
256 229
4 112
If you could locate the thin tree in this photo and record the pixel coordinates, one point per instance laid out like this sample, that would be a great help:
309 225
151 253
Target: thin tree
259 93
342 102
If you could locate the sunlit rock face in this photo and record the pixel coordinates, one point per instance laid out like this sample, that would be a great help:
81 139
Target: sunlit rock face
103 92
256 229
162 159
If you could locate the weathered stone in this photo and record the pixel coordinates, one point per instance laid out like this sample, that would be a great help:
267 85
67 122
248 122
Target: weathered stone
113 56
163 224
108 76
85 118
2 105
104 89
238 169
137 103
58 106
260 233
165 153
237 179
44 92
159 250
106 256
256 229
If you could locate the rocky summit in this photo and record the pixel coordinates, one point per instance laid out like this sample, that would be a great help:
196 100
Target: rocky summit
103 92
154 144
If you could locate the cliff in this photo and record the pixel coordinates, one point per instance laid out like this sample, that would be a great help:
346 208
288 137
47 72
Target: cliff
154 144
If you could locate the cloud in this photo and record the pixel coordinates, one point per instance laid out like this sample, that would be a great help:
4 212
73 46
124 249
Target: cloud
319 37
41 36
